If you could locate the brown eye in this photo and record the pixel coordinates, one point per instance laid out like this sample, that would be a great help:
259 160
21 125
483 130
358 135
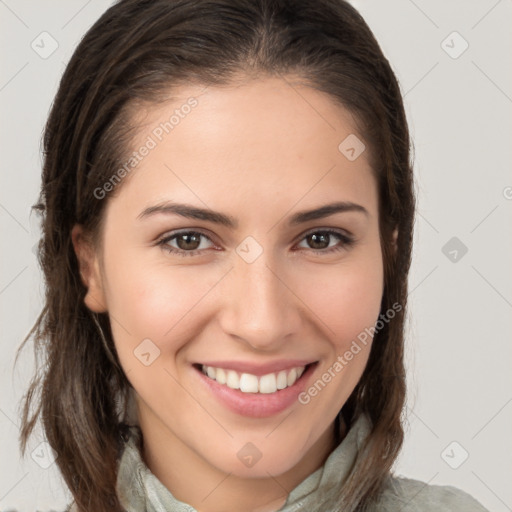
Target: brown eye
320 241
184 243
188 241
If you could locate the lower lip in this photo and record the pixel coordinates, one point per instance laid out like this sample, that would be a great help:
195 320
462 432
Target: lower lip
257 405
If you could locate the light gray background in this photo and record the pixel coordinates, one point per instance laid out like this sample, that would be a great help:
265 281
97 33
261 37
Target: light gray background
459 345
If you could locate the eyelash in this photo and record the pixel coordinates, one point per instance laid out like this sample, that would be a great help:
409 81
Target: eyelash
346 242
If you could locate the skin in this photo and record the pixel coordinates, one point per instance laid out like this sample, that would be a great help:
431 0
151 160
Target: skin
259 152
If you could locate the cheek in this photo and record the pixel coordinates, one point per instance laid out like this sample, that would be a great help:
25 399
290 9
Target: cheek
155 302
346 298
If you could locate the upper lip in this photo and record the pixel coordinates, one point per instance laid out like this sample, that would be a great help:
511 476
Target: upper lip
258 369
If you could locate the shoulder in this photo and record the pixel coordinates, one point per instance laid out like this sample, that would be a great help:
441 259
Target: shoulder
416 496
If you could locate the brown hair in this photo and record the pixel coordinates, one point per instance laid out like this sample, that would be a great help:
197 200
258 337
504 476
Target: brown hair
135 53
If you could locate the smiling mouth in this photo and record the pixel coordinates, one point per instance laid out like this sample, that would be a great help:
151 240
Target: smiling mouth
249 383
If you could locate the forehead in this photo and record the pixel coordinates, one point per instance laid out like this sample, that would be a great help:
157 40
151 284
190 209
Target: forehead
262 140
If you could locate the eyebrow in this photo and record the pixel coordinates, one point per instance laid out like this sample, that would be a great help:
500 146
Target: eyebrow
193 212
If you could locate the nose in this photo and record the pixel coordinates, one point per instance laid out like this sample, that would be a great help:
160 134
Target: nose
259 307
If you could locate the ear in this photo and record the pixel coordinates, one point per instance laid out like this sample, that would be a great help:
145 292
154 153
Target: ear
90 274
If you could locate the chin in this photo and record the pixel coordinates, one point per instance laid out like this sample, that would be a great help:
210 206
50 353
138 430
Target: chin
260 457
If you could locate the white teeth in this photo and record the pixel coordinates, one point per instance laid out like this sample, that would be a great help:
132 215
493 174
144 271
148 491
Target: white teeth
292 377
233 381
268 383
221 377
282 380
248 383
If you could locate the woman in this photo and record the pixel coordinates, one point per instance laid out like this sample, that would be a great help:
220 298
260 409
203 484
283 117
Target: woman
227 207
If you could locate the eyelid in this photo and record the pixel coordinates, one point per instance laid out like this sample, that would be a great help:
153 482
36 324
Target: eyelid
172 234
346 240
328 229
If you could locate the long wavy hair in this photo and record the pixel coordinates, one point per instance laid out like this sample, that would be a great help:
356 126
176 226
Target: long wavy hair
133 55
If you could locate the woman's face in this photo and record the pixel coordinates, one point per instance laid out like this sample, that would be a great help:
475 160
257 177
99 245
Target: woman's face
215 257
